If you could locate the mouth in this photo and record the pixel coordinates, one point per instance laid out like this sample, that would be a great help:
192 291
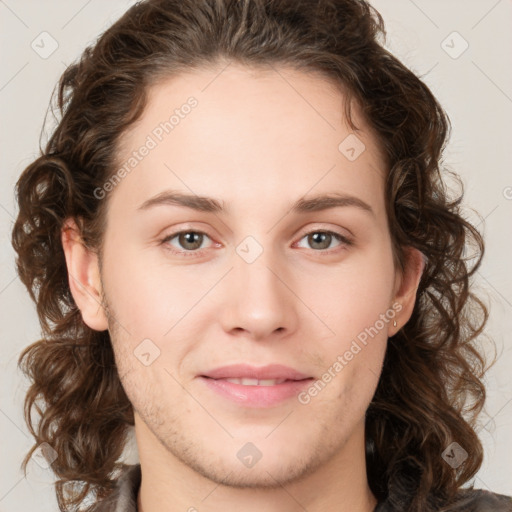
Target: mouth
256 382
255 393
250 375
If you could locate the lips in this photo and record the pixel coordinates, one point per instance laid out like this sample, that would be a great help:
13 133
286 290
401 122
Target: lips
253 386
248 375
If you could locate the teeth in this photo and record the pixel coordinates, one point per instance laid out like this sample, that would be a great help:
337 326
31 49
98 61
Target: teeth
256 382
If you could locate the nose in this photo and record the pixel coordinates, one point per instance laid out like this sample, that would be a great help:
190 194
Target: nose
258 300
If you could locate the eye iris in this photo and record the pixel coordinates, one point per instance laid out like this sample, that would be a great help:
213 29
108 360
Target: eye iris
190 237
320 238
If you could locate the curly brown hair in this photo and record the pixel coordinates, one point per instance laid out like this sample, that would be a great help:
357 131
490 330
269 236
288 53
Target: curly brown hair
430 391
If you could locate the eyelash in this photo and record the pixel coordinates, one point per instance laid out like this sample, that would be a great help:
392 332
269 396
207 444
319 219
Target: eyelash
198 252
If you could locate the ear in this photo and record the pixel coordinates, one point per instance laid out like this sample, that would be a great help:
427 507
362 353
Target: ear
83 277
406 286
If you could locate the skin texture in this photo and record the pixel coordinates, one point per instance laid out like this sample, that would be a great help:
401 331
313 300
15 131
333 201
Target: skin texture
257 141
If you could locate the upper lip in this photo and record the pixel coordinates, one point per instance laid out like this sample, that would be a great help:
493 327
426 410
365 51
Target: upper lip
246 371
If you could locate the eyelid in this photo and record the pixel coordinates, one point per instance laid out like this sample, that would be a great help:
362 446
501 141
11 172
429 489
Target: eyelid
345 240
348 235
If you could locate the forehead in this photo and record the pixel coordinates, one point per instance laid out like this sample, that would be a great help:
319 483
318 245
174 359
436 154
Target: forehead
235 132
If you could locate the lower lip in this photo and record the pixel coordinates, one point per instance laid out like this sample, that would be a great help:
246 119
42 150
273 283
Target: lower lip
257 396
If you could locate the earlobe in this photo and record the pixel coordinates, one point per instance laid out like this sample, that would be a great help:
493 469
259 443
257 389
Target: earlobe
407 286
83 277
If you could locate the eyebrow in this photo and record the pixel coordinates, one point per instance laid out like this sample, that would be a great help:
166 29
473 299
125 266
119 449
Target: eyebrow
212 205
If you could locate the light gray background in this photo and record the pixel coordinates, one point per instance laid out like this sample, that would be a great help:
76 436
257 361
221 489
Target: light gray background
475 88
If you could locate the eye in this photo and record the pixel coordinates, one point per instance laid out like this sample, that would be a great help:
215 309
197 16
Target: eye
189 242
321 240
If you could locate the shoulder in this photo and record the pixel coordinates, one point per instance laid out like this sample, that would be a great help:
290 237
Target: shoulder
478 500
123 497
466 500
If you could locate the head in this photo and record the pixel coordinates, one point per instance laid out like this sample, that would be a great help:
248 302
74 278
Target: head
309 161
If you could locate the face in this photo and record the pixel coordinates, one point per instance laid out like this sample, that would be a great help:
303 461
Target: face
264 276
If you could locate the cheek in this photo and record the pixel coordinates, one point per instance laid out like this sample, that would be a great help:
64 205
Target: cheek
149 298
353 296
356 305
138 306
